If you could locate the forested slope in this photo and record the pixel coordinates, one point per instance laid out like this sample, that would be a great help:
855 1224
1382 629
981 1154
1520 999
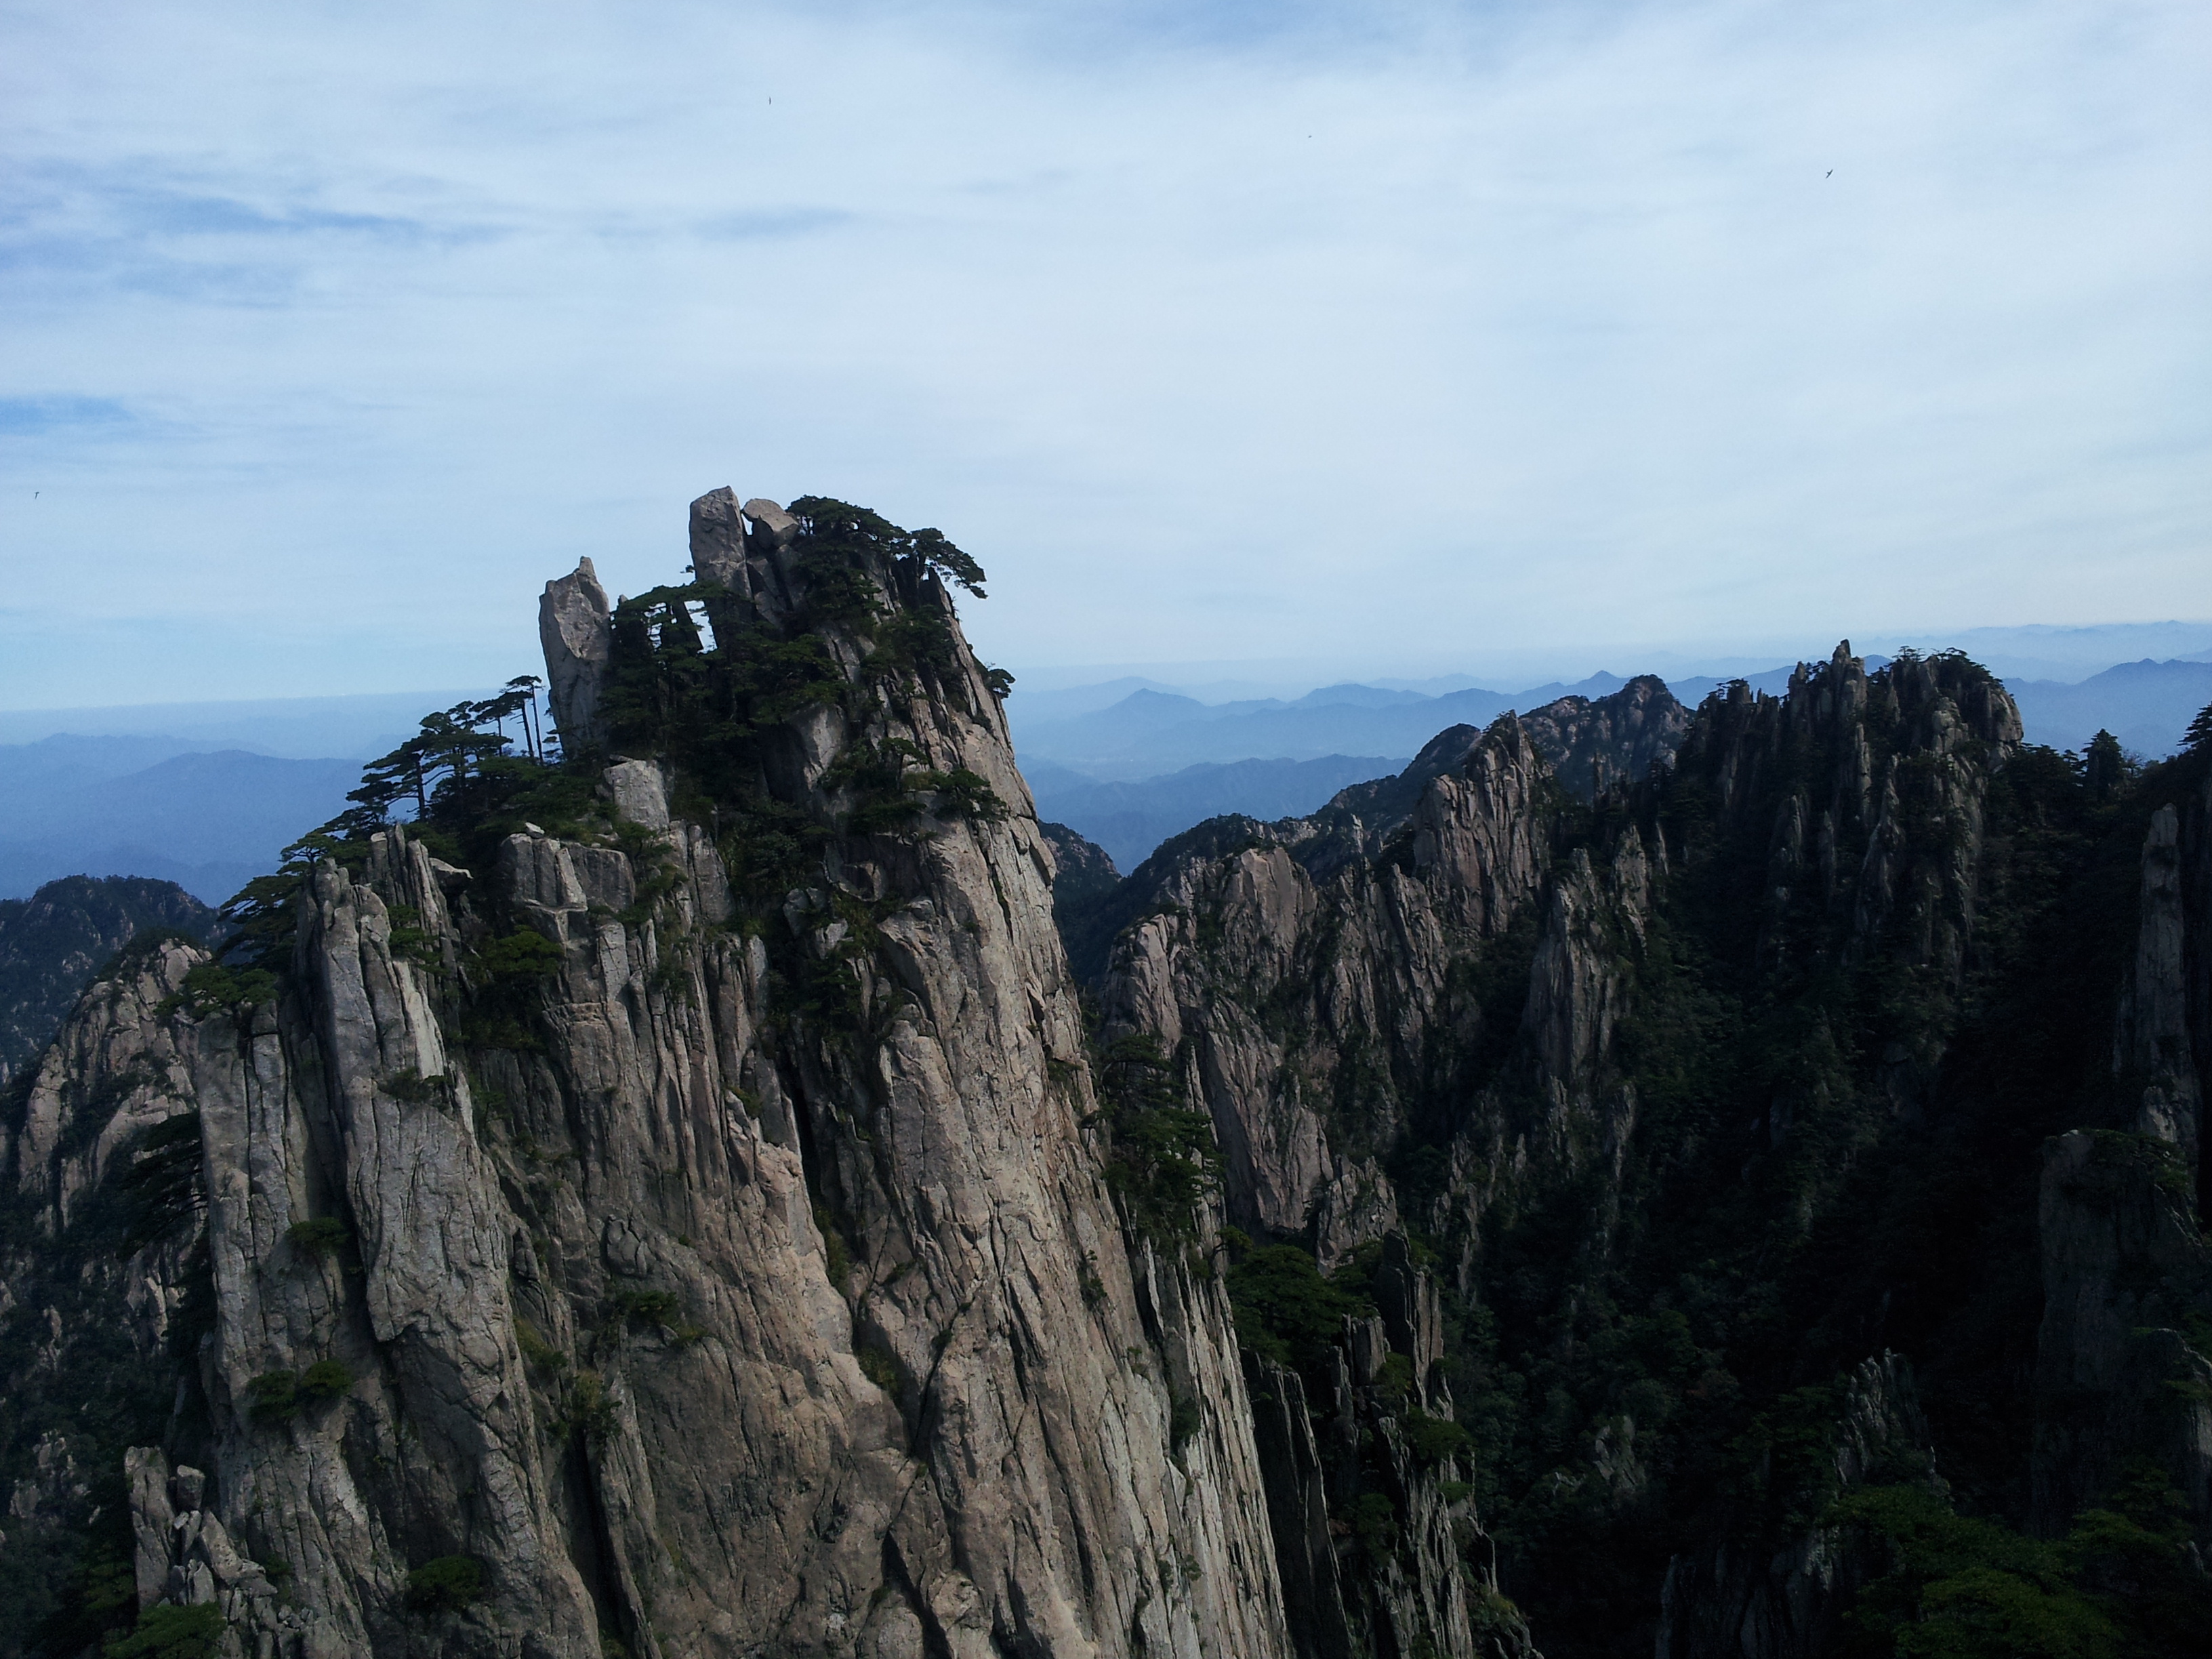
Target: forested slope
1805 1139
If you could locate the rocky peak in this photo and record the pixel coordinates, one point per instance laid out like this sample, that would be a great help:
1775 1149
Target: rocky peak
576 631
1609 742
53 942
676 1214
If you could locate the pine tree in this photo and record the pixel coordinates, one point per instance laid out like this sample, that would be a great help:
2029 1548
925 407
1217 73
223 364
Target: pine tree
2199 735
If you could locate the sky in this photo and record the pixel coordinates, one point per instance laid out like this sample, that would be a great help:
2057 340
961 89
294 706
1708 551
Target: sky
1394 338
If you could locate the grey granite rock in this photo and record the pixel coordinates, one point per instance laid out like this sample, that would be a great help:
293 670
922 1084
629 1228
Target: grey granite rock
576 629
770 523
692 1319
640 789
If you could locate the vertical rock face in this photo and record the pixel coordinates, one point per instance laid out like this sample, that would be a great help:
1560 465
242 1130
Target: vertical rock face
2124 1379
1300 1003
2153 1044
577 635
1410 1013
589 1248
1842 775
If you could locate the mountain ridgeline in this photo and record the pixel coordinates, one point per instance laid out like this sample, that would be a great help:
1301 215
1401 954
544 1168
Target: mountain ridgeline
53 942
1642 1181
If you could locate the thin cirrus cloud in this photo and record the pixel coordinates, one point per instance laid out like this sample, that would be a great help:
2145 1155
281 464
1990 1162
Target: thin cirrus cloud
1393 339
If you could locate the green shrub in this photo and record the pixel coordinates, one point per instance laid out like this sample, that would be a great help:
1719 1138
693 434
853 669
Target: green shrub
273 1396
591 1409
961 793
661 1307
1285 1310
326 1379
409 940
1182 1423
507 974
881 1367
320 1236
1966 1588
445 1585
276 1396
1435 1440
837 1258
536 1349
1395 1382
211 986
522 959
1165 1163
1373 1519
411 1086
168 1632
161 1190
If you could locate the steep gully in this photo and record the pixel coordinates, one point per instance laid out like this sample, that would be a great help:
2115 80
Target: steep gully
695 1219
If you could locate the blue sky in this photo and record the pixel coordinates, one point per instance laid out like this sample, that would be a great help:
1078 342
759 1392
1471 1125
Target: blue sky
1399 339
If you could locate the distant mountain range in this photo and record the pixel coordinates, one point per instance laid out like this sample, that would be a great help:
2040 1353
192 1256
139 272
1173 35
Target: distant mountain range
1148 732
209 819
293 728
2146 705
1127 761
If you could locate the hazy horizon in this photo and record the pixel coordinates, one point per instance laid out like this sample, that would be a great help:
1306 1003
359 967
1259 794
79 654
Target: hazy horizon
360 724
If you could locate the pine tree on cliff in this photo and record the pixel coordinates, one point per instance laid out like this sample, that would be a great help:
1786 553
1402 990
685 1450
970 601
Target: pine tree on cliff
2198 737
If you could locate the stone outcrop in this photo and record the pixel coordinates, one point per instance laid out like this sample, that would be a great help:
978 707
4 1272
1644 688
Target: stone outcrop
703 1279
576 631
183 1555
1279 988
2158 1041
1076 859
771 527
52 942
1597 744
1411 1570
2124 1379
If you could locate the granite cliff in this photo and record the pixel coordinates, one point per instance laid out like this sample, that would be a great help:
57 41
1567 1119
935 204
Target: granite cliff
1801 1137
680 1224
1642 1181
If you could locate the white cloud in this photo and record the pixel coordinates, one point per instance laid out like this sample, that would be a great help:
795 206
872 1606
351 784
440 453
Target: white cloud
1394 340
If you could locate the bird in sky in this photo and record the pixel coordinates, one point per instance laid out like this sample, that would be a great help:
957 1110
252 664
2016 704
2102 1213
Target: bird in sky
1831 172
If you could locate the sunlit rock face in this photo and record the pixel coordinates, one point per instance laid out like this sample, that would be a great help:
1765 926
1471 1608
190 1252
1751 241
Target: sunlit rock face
715 1272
